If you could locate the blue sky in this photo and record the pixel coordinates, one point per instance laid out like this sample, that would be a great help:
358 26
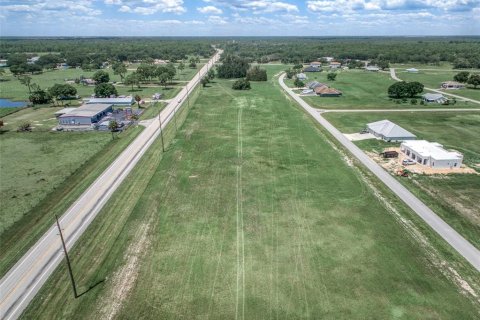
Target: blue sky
238 17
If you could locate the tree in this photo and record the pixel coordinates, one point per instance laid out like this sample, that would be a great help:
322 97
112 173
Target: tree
242 84
403 90
101 77
298 83
62 91
119 69
163 78
290 73
192 65
39 96
181 66
26 81
233 67
113 126
146 72
49 61
2 72
138 99
104 90
462 76
298 67
331 76
474 80
204 81
211 74
132 79
383 64
414 88
256 74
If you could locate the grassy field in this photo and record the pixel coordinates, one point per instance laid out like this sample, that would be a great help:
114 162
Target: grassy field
454 197
250 214
433 79
13 89
361 90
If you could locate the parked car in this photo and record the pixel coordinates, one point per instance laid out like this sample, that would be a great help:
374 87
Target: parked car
407 162
364 131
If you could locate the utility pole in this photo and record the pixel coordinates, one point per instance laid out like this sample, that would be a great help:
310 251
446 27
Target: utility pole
161 131
67 259
175 115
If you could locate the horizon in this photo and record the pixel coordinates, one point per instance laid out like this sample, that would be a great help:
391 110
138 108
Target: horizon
221 18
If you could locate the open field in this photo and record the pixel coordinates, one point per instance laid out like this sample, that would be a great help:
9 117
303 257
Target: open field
361 90
47 172
250 214
454 197
433 79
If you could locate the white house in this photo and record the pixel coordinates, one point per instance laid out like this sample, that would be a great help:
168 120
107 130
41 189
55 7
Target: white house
302 76
372 68
328 59
431 154
434 97
389 131
335 65
412 70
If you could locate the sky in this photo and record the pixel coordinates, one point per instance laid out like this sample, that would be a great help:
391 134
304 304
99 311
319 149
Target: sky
239 17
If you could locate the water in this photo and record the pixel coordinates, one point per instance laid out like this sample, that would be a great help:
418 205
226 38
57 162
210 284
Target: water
7 103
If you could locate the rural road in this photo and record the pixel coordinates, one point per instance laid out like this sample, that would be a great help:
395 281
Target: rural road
394 77
24 280
397 110
460 244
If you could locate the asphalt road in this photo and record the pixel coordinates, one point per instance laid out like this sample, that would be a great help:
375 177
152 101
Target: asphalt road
394 77
24 280
460 244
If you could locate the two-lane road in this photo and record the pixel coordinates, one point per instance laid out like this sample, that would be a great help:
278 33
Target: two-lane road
460 244
24 280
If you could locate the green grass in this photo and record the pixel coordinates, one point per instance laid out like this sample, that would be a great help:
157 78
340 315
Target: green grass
434 79
251 212
361 90
6 111
41 119
453 197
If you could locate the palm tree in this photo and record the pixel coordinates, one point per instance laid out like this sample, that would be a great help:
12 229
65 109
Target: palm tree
113 126
138 99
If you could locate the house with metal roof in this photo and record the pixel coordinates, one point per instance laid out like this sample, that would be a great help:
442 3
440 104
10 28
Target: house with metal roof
120 101
452 85
389 131
85 115
431 154
314 84
434 97
312 69
372 68
412 70
301 76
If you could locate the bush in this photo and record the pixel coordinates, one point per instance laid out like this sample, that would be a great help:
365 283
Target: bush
242 84
413 101
256 74
39 96
299 83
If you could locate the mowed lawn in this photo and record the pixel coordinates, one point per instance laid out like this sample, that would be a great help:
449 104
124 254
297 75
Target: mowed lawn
454 197
33 164
434 79
251 214
361 90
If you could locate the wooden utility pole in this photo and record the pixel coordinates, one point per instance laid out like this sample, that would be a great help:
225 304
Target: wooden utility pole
161 131
67 259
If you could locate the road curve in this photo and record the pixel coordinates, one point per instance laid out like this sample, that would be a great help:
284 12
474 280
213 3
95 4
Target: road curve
394 77
460 244
26 277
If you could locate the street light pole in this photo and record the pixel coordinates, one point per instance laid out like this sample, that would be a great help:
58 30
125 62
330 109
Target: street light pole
67 259
161 131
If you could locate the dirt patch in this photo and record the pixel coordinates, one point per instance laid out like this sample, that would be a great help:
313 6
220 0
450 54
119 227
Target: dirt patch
123 280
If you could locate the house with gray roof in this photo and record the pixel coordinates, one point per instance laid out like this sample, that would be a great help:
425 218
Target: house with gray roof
389 131
434 97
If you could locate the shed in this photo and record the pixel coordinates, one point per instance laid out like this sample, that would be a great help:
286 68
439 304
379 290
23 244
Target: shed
389 131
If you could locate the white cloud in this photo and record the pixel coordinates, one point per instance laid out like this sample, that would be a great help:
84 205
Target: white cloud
116 2
256 6
150 7
217 20
210 10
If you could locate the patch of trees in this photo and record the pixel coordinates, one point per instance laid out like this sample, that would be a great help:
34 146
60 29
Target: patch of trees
241 84
256 74
403 90
466 77
232 66
101 77
105 90
62 91
39 95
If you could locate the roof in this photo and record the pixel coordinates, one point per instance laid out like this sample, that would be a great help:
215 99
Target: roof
412 70
87 110
431 149
453 83
126 100
373 68
314 84
335 63
389 129
311 69
433 96
301 75
316 63
65 110
326 90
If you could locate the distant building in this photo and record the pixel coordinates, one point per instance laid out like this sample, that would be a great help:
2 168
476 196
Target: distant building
86 114
412 70
160 61
302 76
389 131
3 62
307 91
312 69
452 85
315 64
372 68
431 154
335 65
124 101
324 91
314 84
88 82
328 59
434 97
32 60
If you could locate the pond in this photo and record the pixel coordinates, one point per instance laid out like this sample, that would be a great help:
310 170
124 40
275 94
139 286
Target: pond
7 103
